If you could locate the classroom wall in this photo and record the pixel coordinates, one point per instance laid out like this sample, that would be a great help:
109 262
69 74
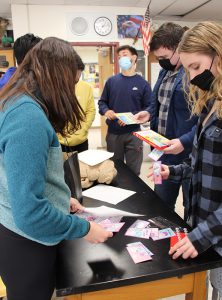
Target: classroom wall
53 20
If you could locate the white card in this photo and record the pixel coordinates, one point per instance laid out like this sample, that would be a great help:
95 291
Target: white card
155 154
105 211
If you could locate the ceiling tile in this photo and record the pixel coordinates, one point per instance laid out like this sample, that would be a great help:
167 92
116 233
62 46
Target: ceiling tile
182 7
160 9
211 10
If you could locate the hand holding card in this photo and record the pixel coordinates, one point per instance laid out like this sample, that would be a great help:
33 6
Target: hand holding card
178 236
157 178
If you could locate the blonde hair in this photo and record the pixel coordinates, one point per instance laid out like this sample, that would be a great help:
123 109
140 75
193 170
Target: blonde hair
205 38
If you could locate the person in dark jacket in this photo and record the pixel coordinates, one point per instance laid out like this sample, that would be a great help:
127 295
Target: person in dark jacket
201 54
170 115
21 46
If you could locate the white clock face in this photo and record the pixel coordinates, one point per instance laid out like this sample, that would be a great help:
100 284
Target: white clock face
103 26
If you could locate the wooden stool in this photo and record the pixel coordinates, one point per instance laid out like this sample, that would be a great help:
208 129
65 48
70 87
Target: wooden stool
2 289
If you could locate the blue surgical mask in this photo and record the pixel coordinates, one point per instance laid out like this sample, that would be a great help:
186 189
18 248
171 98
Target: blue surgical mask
125 63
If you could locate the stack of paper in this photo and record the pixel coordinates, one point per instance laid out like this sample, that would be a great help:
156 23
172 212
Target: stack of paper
94 157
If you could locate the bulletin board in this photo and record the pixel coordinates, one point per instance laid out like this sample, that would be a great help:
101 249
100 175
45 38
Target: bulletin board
91 75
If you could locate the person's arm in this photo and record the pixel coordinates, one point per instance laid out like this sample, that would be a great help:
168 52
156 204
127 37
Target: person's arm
208 233
103 103
6 77
25 141
187 139
90 110
104 99
147 98
179 172
147 95
176 146
174 173
205 235
143 116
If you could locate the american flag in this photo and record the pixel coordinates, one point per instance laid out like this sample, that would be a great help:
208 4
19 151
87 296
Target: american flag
146 30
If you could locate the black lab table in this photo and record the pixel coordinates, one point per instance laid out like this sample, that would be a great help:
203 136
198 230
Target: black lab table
107 272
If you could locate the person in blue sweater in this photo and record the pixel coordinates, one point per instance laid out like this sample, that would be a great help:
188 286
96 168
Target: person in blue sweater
21 46
125 92
37 103
170 114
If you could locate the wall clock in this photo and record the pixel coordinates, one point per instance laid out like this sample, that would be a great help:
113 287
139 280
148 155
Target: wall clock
103 26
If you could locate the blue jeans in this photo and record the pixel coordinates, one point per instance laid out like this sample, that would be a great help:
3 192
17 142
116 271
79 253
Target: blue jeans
168 191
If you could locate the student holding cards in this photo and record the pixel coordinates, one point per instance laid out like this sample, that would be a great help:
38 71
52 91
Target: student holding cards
125 92
170 115
201 54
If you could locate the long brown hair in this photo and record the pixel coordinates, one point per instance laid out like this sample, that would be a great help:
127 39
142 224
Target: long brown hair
205 38
48 75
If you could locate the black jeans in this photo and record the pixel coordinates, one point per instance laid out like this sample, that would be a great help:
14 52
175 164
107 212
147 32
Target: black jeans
27 268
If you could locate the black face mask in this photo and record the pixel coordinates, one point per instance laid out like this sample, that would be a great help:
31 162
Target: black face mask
166 64
204 80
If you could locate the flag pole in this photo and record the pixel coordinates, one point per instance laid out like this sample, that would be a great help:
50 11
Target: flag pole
139 30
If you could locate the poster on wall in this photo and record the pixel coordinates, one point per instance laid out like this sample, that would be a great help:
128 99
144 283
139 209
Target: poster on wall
128 26
91 75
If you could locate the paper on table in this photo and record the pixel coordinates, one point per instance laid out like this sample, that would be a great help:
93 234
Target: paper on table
105 211
93 157
108 193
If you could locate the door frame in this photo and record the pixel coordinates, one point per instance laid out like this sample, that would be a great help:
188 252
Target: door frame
113 45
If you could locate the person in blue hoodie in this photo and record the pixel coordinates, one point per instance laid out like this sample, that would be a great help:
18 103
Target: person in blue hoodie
125 92
21 46
37 103
169 112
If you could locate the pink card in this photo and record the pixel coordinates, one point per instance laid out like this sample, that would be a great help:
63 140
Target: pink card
140 224
106 221
114 219
140 244
164 234
143 233
114 227
138 253
157 178
154 234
